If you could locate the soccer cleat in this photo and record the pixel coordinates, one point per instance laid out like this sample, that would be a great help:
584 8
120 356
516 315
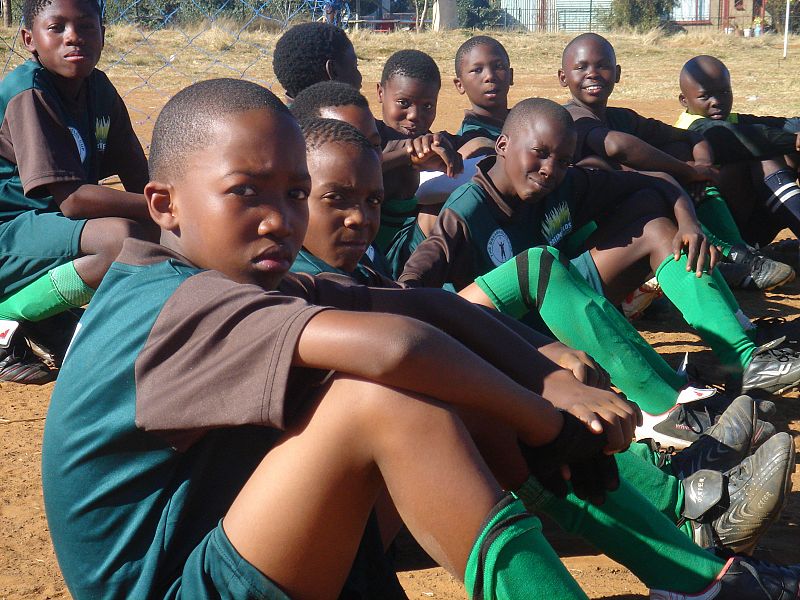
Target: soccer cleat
635 303
750 270
773 328
733 509
723 445
682 424
19 365
772 370
745 578
786 251
50 338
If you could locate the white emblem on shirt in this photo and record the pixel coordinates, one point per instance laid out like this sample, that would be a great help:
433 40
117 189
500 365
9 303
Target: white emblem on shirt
499 247
78 142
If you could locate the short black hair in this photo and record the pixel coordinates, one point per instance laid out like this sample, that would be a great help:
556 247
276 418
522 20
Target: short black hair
301 53
324 94
531 109
319 132
595 37
31 8
474 42
184 124
411 63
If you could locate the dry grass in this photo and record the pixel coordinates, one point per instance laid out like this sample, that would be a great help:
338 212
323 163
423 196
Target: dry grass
148 67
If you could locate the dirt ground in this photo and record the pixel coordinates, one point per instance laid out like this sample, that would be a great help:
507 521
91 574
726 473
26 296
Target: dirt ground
28 568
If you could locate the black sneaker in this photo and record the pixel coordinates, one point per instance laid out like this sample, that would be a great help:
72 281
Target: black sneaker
734 509
723 445
773 328
772 370
786 251
750 270
50 338
679 427
19 365
745 578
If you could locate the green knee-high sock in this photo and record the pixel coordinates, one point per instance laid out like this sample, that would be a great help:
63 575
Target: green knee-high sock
703 303
536 280
510 559
631 531
717 220
54 292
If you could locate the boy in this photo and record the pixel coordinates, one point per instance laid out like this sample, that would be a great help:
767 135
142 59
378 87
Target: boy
484 74
621 137
408 93
232 211
64 127
755 152
528 196
343 206
312 52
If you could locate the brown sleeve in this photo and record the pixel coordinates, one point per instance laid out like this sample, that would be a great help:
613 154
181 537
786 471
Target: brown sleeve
44 150
446 255
124 155
220 355
328 289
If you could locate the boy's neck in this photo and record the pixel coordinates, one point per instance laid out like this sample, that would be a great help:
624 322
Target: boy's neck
499 113
497 175
598 110
70 89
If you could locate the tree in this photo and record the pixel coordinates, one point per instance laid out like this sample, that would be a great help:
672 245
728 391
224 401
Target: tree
7 17
641 15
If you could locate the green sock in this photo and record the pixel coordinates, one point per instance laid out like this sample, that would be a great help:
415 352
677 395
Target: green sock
705 306
583 319
717 220
632 532
723 246
511 559
54 292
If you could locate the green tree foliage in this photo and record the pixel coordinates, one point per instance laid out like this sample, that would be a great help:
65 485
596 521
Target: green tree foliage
640 15
479 14
777 10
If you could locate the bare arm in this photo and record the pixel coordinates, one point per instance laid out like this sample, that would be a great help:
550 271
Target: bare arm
637 154
422 359
88 201
511 347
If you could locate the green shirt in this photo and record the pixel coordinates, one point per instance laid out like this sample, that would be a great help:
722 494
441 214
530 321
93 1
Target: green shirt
177 382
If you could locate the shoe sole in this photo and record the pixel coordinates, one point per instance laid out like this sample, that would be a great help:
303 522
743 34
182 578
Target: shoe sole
789 279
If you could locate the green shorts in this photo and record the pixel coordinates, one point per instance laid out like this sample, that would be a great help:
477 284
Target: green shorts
216 570
584 263
33 243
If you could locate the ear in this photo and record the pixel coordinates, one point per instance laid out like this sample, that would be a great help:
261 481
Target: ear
682 100
510 76
380 93
27 41
459 86
500 145
562 78
330 69
619 74
159 198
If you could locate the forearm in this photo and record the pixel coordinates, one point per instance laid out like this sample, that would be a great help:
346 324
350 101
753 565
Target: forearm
88 201
424 360
702 153
633 152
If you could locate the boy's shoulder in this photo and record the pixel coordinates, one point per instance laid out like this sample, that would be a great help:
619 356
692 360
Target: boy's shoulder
474 125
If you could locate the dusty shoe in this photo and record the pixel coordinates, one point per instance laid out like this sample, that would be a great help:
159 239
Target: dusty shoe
745 579
773 370
682 424
635 303
17 362
50 338
786 251
750 270
733 509
723 445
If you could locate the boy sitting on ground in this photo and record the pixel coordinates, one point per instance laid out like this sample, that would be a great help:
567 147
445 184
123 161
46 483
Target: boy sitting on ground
312 52
64 127
528 195
343 207
622 138
758 155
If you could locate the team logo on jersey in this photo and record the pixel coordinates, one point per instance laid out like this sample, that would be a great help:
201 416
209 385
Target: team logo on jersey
499 247
556 224
101 127
76 135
